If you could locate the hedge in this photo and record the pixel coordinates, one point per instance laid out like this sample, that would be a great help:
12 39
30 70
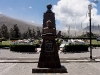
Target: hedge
96 45
23 48
3 46
76 48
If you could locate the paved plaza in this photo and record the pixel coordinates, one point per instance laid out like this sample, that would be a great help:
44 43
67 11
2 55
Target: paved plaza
73 68
6 53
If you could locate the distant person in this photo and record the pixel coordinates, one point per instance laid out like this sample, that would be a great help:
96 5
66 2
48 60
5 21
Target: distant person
40 44
98 39
69 41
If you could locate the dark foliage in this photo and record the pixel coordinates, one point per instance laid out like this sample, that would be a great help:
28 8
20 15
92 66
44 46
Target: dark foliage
4 32
23 48
76 48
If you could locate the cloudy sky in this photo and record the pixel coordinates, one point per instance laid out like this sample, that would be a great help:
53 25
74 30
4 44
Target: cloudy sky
73 13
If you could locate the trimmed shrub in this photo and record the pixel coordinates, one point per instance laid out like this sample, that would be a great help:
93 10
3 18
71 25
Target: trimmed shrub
37 45
0 46
23 48
76 48
4 46
96 45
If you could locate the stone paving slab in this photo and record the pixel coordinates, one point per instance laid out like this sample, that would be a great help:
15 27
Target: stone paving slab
62 61
72 68
9 54
78 68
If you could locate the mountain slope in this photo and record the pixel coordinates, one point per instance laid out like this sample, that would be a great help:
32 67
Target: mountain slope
93 28
23 26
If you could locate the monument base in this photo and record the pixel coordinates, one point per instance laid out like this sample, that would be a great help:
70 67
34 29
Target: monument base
50 70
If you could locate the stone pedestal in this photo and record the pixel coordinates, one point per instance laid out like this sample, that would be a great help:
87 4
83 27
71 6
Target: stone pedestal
49 61
49 70
49 57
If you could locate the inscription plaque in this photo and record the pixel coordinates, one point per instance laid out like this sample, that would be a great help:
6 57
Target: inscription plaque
49 45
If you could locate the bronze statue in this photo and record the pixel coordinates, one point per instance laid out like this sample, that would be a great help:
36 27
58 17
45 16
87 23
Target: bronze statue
49 28
49 25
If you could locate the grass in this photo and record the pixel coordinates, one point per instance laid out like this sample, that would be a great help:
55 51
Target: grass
95 42
9 42
6 42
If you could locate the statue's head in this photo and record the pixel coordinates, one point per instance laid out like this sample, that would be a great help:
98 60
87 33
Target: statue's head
49 24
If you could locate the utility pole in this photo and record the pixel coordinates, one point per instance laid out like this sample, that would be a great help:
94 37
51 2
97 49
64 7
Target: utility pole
90 7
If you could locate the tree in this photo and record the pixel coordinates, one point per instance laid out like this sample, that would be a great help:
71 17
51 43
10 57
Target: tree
34 34
0 32
11 33
87 35
4 31
17 33
29 33
38 33
25 35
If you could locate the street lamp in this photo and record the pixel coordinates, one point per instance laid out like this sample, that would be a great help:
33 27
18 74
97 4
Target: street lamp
75 30
90 7
69 31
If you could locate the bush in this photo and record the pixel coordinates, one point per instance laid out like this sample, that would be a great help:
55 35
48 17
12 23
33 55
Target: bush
23 48
37 45
0 46
3 46
76 48
3 39
96 45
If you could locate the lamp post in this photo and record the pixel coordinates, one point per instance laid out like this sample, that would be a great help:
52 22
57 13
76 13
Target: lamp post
90 7
66 29
75 30
69 31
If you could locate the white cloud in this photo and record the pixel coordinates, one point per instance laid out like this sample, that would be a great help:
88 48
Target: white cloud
32 21
71 12
30 7
10 8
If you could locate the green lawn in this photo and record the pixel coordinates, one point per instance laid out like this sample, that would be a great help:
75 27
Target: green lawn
6 42
95 42
9 42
